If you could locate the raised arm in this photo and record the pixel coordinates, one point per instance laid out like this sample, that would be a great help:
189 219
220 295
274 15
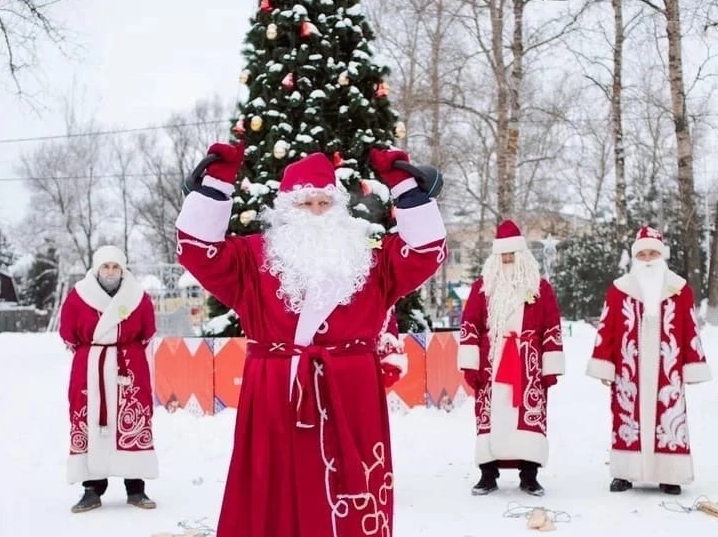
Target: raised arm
411 256
202 248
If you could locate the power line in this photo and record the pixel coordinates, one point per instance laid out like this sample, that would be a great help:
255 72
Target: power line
71 177
109 132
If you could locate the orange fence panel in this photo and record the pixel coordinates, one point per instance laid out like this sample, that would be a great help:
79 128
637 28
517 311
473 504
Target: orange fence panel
229 356
183 374
205 375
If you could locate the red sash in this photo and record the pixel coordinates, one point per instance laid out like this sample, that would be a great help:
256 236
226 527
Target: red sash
510 371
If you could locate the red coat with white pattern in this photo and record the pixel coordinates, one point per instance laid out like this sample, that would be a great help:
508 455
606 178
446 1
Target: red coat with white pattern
506 432
649 360
312 451
110 392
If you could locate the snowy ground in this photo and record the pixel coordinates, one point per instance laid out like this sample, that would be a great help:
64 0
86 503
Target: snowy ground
433 457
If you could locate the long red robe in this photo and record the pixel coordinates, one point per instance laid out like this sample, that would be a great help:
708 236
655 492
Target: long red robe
312 450
511 419
110 398
649 359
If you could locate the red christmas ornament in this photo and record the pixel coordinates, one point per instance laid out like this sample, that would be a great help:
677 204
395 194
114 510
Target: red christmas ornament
288 81
382 90
238 127
365 187
266 6
308 29
337 159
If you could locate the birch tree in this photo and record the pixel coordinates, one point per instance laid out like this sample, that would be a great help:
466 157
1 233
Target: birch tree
690 229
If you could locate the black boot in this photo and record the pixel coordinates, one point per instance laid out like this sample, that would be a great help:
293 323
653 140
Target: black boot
620 485
90 500
487 483
670 489
136 496
527 475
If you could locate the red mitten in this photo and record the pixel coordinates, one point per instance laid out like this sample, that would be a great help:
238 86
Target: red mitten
391 374
222 174
548 381
383 160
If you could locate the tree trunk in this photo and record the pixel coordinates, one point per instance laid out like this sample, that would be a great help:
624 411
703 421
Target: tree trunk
690 235
514 87
619 154
712 311
506 129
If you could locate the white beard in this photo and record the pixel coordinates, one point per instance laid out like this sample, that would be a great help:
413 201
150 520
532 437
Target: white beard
507 287
649 277
326 256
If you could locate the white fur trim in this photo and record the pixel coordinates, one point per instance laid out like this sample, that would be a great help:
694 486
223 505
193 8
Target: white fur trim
508 245
204 218
648 243
695 372
103 459
397 360
651 467
601 369
554 363
403 187
672 283
420 225
127 464
224 187
468 357
506 441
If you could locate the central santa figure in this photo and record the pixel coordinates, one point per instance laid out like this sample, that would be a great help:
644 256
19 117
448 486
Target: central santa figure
312 450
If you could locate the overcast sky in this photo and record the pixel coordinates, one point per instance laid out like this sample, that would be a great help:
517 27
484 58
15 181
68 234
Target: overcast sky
140 61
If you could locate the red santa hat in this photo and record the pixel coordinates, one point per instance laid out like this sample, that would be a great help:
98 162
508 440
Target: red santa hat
649 238
508 238
313 171
108 254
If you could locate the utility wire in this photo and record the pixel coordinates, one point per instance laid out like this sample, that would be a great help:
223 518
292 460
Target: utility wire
109 132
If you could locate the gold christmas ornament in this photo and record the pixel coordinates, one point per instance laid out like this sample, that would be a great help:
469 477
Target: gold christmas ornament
343 78
244 77
271 31
400 130
280 149
256 123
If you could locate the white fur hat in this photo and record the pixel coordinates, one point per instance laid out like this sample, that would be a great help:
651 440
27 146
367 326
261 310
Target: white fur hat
108 254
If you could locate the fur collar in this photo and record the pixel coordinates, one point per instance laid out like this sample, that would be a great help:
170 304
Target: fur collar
114 309
672 285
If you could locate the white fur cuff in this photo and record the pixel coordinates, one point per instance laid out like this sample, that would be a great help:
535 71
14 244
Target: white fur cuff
404 186
695 372
420 225
204 218
468 357
601 369
554 363
217 184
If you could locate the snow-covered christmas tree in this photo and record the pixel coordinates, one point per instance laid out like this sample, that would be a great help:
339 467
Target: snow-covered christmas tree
311 86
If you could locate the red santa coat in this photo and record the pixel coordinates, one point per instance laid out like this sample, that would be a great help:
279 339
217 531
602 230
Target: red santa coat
506 431
312 449
649 359
110 398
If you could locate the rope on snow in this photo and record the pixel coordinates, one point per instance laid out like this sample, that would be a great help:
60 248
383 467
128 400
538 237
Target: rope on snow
701 503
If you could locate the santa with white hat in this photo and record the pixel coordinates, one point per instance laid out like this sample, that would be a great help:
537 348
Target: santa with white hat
511 352
312 454
647 347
